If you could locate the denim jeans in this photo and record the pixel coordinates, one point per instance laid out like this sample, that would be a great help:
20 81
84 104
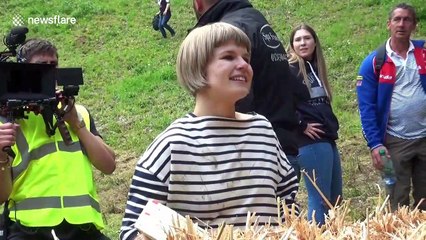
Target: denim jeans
323 157
162 24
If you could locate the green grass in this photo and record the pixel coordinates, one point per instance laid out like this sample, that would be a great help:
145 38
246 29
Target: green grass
130 81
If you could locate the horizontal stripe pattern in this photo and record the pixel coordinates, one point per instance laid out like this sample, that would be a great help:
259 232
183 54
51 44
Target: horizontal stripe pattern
213 169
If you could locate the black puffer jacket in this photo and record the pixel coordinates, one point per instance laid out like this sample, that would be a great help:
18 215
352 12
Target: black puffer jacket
316 109
272 93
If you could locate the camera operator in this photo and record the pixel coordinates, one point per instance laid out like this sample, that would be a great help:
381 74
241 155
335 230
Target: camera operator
49 185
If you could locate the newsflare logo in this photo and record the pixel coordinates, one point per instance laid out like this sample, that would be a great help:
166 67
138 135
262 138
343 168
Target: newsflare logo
18 20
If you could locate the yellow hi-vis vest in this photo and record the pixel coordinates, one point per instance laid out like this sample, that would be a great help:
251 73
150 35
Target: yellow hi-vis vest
52 181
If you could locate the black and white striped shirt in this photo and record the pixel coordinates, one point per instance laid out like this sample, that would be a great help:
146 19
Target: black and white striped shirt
213 169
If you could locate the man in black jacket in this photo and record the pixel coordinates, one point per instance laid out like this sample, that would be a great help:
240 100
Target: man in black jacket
274 90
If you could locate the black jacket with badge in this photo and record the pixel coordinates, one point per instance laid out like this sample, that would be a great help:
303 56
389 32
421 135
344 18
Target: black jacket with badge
272 93
317 109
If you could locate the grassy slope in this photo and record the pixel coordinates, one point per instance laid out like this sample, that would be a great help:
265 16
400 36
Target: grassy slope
130 82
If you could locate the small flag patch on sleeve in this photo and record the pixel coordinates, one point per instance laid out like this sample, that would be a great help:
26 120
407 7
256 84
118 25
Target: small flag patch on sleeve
358 80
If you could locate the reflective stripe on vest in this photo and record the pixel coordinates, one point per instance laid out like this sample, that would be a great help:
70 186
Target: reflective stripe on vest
55 202
38 153
22 145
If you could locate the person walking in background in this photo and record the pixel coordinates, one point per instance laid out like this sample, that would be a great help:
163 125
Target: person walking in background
273 90
392 106
214 164
165 15
49 184
318 153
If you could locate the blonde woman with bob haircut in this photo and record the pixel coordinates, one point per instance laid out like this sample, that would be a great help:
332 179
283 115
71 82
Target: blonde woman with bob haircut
318 126
214 164
196 49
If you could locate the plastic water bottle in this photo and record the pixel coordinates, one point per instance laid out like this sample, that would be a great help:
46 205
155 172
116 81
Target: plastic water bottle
388 173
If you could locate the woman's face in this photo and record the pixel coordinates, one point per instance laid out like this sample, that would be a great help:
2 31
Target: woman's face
304 44
229 73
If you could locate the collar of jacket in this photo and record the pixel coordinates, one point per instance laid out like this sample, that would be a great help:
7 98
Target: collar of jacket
221 8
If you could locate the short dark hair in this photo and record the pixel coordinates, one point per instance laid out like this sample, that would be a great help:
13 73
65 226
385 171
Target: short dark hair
405 6
35 46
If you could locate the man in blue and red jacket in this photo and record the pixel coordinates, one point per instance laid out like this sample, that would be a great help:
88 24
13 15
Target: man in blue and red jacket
392 106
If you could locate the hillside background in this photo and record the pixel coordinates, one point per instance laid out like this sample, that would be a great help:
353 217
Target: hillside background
130 82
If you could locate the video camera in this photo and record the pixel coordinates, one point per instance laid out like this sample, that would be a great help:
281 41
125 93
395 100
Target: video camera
28 87
15 38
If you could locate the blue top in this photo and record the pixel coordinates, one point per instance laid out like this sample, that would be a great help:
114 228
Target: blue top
375 95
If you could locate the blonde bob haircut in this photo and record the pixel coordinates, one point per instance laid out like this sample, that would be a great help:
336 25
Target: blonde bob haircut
197 49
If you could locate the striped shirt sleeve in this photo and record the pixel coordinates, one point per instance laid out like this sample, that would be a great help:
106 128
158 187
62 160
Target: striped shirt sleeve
288 186
145 185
